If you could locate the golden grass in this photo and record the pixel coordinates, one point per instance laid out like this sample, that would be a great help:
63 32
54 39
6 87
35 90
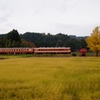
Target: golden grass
48 78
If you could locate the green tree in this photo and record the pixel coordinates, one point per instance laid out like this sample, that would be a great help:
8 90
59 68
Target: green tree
93 41
13 39
83 43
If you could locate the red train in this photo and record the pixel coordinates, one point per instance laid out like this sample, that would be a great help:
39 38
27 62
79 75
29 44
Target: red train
41 50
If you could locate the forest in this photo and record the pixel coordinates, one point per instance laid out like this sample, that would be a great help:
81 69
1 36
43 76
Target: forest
33 39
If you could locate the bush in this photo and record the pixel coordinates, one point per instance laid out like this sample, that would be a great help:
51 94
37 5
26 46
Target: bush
73 54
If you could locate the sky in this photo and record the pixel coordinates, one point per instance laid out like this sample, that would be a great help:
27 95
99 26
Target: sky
71 17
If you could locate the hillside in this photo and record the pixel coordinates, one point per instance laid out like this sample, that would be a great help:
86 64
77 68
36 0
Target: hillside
58 40
48 40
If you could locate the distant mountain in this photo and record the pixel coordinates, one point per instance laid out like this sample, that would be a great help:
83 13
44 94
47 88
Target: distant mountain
78 37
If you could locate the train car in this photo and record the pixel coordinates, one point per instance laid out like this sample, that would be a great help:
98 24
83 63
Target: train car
83 51
52 50
41 50
16 50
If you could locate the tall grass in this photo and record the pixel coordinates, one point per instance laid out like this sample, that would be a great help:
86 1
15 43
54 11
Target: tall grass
50 78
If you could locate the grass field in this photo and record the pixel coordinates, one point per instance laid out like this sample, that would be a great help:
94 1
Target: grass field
50 78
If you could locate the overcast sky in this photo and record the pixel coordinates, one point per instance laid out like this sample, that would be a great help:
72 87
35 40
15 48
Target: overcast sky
72 17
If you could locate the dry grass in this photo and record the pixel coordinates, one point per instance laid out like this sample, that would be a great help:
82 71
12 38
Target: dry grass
50 78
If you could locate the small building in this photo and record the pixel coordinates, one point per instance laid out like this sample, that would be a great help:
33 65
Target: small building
83 51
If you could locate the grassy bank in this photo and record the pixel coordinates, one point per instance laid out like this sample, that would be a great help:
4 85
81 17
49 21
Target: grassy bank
39 78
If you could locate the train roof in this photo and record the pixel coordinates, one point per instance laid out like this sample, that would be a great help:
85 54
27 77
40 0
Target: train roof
53 48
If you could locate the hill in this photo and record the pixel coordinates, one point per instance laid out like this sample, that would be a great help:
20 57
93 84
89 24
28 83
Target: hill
48 40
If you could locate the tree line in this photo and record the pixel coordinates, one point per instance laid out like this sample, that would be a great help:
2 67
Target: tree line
33 39
58 40
13 39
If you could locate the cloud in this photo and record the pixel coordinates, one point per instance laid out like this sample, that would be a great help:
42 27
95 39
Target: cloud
54 16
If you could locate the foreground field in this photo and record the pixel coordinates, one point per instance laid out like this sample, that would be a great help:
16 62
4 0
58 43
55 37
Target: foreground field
48 78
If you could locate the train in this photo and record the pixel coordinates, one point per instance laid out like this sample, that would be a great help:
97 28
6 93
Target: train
40 50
